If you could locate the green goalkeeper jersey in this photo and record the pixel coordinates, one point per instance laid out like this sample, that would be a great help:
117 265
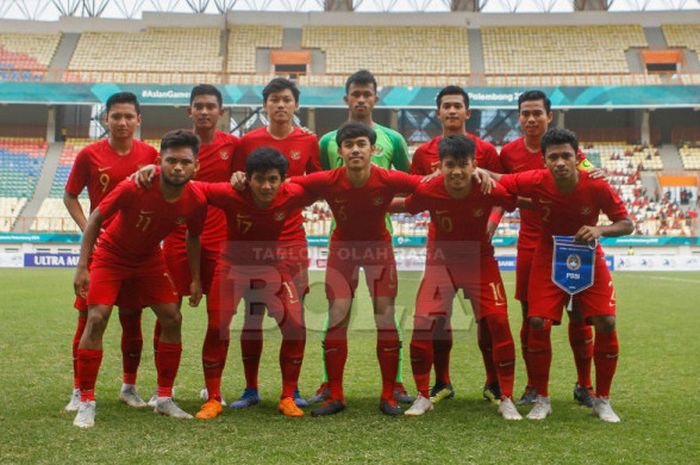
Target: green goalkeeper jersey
390 150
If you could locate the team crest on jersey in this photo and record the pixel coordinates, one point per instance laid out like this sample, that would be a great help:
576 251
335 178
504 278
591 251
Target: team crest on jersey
479 212
573 262
378 150
586 211
180 220
295 155
377 201
279 216
224 154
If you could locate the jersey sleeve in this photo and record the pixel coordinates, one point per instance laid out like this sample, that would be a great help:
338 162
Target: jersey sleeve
315 184
584 164
153 154
611 203
118 198
79 174
502 198
400 156
324 158
195 222
403 183
416 203
299 197
239 156
521 183
217 194
491 158
417 162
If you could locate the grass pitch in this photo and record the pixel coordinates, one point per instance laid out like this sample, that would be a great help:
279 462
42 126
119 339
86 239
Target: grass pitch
656 390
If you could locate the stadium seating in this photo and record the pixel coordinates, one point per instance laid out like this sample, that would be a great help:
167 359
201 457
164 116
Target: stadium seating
690 155
617 156
160 55
21 161
24 57
411 50
683 35
553 50
244 40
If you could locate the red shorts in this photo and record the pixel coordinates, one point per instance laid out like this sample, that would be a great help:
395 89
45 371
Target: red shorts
523 264
179 268
344 262
264 285
127 298
147 280
547 300
483 287
298 270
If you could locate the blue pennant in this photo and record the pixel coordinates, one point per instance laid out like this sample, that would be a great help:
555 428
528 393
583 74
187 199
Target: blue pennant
573 264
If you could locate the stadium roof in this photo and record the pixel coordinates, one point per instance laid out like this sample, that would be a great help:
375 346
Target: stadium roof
49 10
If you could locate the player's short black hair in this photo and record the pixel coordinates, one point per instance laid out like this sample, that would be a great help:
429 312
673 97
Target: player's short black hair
458 146
180 138
362 77
452 90
278 85
533 95
353 130
206 89
264 159
123 97
559 136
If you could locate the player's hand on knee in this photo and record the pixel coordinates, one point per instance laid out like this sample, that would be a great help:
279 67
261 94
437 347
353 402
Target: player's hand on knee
238 180
195 293
144 176
81 281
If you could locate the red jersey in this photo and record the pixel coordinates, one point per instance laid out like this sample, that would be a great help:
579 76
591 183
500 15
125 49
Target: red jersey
266 231
145 218
457 226
517 158
299 148
564 214
216 162
359 212
426 159
99 168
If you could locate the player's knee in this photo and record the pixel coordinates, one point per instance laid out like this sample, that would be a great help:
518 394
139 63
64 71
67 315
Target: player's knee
170 319
537 322
604 323
96 323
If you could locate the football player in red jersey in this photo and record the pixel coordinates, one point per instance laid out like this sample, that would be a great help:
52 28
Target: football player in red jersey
453 112
460 256
569 203
523 154
300 148
263 224
359 195
99 167
129 255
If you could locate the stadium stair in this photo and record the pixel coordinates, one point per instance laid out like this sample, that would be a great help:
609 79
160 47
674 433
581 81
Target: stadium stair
43 187
61 59
476 55
670 157
655 38
650 182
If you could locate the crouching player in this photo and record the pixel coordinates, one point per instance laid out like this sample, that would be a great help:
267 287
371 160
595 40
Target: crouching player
258 264
569 202
460 256
129 256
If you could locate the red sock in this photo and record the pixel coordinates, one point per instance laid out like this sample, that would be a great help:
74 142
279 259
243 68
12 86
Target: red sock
132 344
251 351
422 353
167 362
88 366
503 351
335 352
483 337
442 346
214 352
82 321
524 328
539 345
388 347
156 339
606 354
581 340
291 350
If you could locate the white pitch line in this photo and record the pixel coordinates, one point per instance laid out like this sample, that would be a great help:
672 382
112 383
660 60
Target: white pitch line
679 280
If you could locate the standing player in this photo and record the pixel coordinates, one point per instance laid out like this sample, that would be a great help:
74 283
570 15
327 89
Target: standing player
215 159
280 101
100 167
129 258
263 224
390 151
460 256
359 194
453 112
524 154
569 203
